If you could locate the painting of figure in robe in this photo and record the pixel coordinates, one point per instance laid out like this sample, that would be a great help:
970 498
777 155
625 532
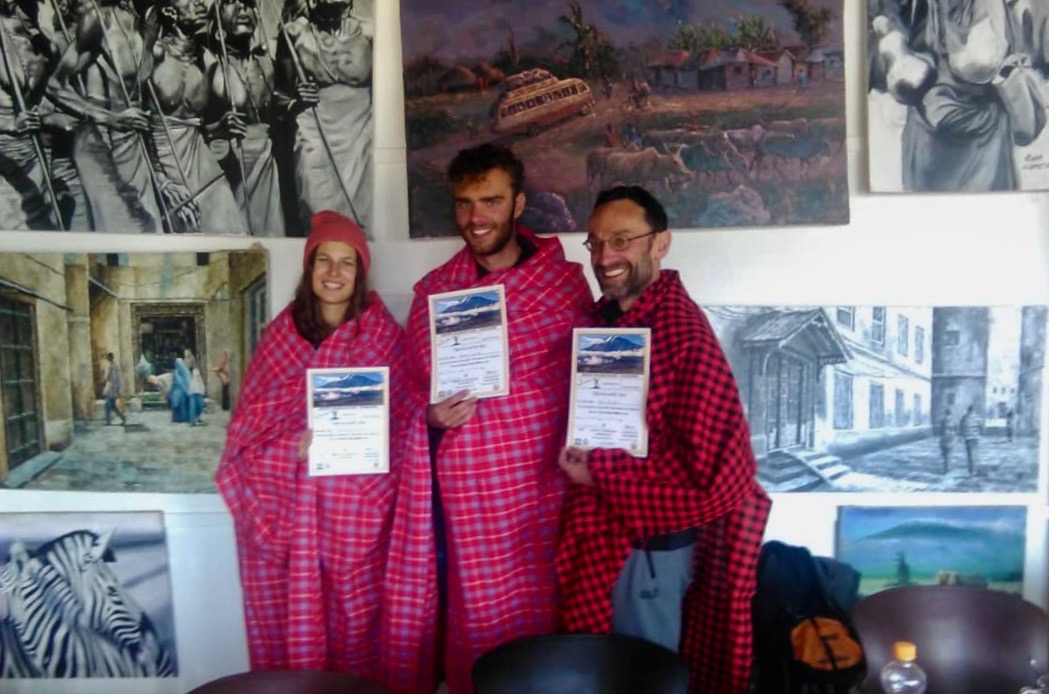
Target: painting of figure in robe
957 99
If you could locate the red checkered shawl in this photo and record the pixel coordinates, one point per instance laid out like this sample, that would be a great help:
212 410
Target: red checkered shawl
312 550
499 483
700 472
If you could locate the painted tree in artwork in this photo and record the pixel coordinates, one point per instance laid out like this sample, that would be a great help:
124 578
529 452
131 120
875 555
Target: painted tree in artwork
903 571
513 55
592 54
423 75
699 36
755 33
812 23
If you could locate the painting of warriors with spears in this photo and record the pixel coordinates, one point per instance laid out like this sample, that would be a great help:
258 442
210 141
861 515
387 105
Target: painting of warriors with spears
236 117
735 119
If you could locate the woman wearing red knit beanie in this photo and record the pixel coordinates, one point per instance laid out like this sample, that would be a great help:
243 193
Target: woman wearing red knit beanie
312 550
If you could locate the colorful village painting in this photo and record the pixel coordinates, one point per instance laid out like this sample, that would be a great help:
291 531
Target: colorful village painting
733 115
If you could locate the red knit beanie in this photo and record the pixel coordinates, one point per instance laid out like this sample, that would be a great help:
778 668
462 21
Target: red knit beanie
332 226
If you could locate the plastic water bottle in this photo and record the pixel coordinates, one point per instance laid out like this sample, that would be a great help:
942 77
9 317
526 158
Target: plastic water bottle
902 675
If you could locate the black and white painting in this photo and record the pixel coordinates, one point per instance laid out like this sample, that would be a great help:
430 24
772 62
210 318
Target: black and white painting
85 595
957 95
889 398
239 117
119 371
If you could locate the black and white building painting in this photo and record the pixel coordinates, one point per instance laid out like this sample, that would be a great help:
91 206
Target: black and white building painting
238 117
890 398
85 595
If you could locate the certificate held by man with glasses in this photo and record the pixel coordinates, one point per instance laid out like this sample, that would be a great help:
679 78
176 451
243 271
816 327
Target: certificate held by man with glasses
610 371
469 349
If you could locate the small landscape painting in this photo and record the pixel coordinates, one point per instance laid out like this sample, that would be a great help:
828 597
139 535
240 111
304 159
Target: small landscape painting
947 545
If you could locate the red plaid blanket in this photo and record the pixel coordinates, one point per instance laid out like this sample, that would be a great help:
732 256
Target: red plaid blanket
499 481
700 472
312 550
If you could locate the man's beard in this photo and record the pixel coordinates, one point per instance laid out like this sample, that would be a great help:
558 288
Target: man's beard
637 279
503 234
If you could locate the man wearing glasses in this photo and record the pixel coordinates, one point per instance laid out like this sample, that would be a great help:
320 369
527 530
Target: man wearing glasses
664 547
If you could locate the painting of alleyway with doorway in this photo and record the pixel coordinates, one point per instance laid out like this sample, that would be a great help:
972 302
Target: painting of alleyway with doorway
119 371
890 398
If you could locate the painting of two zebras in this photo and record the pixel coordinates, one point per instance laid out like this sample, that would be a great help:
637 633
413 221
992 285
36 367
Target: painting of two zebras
85 595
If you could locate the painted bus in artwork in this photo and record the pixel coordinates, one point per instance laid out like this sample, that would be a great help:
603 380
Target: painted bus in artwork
535 98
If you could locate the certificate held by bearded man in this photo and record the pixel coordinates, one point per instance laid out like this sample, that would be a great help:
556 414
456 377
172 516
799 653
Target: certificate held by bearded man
610 370
468 343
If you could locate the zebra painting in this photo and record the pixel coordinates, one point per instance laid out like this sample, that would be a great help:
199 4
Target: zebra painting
64 613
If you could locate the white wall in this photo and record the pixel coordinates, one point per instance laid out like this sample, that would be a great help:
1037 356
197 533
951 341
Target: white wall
898 250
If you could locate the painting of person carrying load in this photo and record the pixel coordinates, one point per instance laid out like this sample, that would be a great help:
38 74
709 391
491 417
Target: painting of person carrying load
734 120
957 95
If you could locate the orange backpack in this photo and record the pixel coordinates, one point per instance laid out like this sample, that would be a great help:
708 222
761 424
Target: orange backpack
824 643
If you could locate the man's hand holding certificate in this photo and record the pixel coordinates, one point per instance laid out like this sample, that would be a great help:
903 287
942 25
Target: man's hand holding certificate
468 343
610 389
349 414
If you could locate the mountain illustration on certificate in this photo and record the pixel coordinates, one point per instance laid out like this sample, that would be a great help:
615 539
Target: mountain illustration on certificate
610 353
467 312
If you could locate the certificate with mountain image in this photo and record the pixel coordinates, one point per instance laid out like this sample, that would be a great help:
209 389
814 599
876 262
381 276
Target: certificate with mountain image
349 413
610 389
468 343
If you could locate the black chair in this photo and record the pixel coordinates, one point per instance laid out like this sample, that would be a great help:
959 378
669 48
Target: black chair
970 640
290 682
580 664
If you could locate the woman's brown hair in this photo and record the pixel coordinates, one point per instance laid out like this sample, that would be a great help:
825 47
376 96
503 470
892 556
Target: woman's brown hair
306 310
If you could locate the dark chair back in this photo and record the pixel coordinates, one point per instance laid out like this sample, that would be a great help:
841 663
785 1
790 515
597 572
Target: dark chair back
290 682
969 639
580 664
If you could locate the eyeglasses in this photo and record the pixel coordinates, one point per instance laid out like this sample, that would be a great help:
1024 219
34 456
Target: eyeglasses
616 243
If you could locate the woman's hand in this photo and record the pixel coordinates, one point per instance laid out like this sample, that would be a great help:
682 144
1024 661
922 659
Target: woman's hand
304 444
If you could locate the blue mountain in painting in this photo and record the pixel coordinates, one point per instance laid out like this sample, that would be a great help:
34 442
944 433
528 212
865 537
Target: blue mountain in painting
933 531
472 302
367 380
617 343
992 550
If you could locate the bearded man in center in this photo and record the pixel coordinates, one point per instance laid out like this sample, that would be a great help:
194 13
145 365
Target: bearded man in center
471 561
